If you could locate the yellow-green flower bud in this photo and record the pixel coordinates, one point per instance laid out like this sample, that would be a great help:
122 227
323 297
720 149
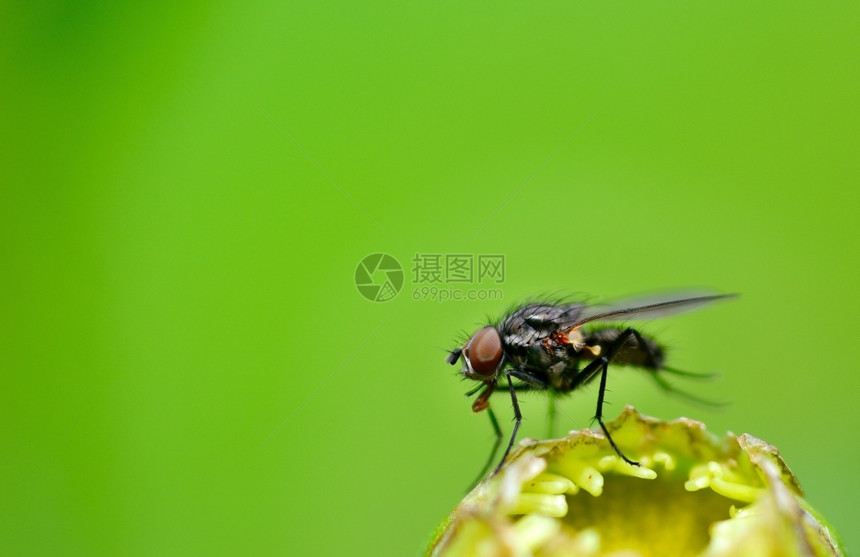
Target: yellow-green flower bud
694 494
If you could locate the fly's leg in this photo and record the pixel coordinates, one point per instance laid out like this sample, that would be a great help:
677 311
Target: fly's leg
498 432
599 415
688 397
483 403
531 383
602 364
649 357
526 378
518 417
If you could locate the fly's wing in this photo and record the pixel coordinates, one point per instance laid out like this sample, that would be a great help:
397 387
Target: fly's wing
545 318
648 307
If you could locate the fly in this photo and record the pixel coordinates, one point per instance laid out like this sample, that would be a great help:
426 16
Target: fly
541 346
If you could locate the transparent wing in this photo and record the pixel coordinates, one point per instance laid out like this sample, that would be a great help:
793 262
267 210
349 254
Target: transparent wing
549 317
649 307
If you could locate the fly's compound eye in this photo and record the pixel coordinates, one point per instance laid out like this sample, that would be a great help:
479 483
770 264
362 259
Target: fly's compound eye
483 353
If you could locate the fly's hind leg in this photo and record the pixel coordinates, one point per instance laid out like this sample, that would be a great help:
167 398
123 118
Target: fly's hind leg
672 390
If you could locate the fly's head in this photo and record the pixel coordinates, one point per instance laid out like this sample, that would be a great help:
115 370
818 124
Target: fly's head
482 355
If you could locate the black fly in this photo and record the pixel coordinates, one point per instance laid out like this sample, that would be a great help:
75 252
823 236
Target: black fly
541 345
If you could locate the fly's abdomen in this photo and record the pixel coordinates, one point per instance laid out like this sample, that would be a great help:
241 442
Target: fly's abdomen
647 354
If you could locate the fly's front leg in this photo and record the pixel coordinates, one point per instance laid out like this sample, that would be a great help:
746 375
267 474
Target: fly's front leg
482 403
602 364
517 416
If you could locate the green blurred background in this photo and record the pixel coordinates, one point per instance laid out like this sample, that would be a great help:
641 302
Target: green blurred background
187 365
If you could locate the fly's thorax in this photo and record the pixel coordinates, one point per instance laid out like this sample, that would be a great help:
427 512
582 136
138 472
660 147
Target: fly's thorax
554 355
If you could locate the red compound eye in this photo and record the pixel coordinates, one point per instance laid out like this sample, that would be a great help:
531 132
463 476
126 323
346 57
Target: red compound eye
485 350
